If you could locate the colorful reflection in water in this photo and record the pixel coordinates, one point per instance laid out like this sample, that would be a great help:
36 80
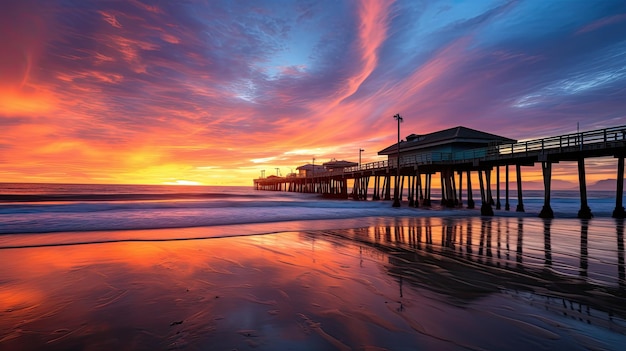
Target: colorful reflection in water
416 283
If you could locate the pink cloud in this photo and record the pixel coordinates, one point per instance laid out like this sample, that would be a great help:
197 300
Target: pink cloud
603 22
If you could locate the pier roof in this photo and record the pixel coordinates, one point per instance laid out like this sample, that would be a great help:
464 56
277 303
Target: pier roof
310 167
339 164
456 135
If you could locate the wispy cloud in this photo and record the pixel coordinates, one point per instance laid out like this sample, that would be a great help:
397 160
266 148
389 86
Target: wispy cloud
211 91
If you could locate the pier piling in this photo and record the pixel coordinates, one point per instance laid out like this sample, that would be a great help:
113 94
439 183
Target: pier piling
387 186
470 197
619 211
520 200
546 211
507 205
498 205
585 211
485 194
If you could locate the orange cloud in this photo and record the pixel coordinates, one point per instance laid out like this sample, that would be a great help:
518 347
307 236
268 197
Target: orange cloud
15 102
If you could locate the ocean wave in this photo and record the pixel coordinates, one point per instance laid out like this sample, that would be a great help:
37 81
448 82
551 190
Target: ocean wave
91 217
73 212
9 198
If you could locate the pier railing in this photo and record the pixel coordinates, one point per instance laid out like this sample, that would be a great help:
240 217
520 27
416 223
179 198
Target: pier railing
588 140
600 137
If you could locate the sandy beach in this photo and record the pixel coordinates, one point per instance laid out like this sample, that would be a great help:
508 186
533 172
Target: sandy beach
425 283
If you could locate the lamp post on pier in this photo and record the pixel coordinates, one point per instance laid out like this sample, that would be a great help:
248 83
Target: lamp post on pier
360 150
396 200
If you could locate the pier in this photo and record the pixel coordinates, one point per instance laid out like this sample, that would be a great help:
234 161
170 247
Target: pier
414 172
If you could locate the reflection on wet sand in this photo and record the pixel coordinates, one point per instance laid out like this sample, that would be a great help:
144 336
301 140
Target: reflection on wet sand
421 283
466 258
620 251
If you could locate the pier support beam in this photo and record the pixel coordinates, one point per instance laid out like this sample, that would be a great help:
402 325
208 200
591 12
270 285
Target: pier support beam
488 187
453 182
507 206
485 194
410 190
443 188
585 211
418 188
619 211
419 179
470 199
546 211
460 188
376 195
387 186
396 190
498 205
448 191
401 188
520 201
428 180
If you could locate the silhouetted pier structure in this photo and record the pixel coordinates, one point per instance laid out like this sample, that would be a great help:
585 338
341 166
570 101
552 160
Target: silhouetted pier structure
417 170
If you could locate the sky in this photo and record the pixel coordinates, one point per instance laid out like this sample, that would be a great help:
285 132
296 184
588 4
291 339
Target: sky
213 92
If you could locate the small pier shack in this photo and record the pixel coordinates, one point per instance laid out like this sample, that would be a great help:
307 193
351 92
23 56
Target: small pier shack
439 152
460 151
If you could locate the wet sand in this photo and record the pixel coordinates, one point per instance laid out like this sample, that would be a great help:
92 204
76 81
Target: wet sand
414 284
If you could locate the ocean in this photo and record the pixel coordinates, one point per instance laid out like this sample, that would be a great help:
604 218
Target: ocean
46 208
139 267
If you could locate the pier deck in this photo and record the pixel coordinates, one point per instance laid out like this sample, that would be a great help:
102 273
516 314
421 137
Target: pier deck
419 169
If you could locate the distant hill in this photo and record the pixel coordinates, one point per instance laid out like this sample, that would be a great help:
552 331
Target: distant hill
556 184
606 185
601 185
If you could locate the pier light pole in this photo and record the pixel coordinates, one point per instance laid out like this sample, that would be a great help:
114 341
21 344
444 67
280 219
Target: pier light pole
396 200
360 150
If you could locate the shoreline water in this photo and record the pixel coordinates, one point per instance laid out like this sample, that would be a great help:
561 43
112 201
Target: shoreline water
402 283
274 271
96 208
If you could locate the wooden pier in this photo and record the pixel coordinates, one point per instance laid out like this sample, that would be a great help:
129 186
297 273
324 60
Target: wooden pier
417 171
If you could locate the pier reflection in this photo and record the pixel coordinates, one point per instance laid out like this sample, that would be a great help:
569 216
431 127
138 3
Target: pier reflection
620 251
575 262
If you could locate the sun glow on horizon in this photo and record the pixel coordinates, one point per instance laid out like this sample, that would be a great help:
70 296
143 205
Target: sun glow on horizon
183 182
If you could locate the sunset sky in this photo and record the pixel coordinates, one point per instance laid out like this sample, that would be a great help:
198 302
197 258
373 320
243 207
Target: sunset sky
213 92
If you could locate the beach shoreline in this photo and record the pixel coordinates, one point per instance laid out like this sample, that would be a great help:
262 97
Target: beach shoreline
370 286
